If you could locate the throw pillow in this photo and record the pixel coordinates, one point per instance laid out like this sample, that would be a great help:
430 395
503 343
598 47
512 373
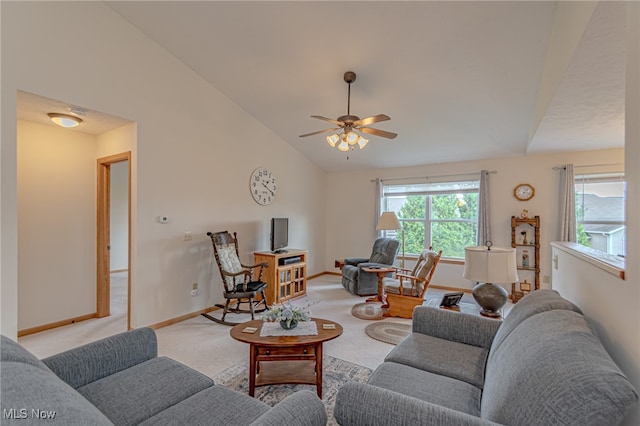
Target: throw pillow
230 263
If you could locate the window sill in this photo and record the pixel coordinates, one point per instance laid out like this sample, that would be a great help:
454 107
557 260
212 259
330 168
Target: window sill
607 262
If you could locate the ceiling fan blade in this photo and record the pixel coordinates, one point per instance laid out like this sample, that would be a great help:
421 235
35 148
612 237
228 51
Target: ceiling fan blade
320 131
378 132
370 120
330 120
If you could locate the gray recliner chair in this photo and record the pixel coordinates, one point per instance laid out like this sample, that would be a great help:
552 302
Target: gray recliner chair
362 283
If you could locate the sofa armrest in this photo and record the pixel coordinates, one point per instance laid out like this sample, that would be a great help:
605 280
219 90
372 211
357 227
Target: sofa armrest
455 326
104 357
302 408
363 404
355 261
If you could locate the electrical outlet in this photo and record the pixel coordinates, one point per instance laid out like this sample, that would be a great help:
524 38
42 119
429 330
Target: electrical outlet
187 236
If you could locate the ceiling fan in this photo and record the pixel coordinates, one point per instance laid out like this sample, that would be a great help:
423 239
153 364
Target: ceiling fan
348 123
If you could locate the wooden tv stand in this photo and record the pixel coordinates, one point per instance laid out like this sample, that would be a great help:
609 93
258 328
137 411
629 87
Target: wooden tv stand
286 276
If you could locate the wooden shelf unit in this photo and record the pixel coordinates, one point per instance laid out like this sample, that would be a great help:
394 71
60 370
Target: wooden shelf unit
519 225
284 280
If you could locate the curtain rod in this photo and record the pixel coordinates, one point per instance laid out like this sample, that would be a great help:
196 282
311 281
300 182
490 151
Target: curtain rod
493 172
589 165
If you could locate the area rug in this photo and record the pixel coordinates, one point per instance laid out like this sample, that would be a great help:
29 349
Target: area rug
388 332
335 372
368 311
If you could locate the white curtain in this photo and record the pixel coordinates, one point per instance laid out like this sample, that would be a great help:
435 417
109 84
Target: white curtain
567 204
378 209
484 221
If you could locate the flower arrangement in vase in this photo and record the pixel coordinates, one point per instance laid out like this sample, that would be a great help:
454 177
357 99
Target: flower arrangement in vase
524 238
287 314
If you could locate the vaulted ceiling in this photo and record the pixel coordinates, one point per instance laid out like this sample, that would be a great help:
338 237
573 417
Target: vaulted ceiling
460 80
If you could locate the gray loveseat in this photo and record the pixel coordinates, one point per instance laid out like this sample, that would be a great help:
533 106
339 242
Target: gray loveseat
121 380
543 365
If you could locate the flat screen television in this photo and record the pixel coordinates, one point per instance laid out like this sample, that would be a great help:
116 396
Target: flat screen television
279 234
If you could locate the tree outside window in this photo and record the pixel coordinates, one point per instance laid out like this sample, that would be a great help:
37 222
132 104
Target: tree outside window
444 218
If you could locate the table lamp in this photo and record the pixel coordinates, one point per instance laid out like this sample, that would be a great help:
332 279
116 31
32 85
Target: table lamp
389 222
489 266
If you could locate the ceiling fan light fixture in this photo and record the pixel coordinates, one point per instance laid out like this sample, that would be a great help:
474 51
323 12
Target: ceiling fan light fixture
362 142
333 140
343 146
64 120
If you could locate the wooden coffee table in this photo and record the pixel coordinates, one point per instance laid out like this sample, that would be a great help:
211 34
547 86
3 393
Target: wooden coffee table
285 359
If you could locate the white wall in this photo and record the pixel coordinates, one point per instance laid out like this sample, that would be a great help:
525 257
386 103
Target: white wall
56 226
357 200
194 153
119 218
612 305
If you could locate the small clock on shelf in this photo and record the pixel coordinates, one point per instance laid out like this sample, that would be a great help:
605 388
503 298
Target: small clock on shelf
263 186
524 192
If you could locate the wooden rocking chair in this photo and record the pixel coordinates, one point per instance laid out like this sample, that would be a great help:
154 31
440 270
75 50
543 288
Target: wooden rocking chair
407 291
240 285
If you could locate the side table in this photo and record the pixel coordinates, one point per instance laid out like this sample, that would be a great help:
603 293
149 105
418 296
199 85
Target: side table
381 272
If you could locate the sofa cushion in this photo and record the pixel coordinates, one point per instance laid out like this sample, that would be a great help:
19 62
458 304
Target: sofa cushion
440 356
542 300
429 387
31 389
13 352
142 391
95 360
552 369
214 405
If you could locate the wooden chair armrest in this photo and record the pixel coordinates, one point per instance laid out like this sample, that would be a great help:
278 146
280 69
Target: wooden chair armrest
413 280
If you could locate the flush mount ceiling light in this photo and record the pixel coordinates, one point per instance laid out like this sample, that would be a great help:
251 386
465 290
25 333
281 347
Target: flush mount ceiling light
348 123
64 120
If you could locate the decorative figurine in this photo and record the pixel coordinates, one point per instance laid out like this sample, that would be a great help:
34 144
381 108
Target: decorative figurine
524 214
525 259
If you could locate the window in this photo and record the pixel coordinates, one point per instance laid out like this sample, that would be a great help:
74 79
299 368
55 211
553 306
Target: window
600 201
443 215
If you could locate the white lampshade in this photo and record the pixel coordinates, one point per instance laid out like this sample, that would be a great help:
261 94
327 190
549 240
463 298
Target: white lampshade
388 221
497 265
362 142
343 146
333 140
351 138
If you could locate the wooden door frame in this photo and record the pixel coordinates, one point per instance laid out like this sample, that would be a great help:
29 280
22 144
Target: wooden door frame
103 206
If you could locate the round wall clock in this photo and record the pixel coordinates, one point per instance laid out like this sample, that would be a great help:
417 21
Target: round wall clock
524 192
263 186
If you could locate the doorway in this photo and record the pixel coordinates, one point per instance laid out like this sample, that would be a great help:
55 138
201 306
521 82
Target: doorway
105 175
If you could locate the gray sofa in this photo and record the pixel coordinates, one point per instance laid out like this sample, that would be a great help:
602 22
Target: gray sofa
121 380
360 282
543 365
